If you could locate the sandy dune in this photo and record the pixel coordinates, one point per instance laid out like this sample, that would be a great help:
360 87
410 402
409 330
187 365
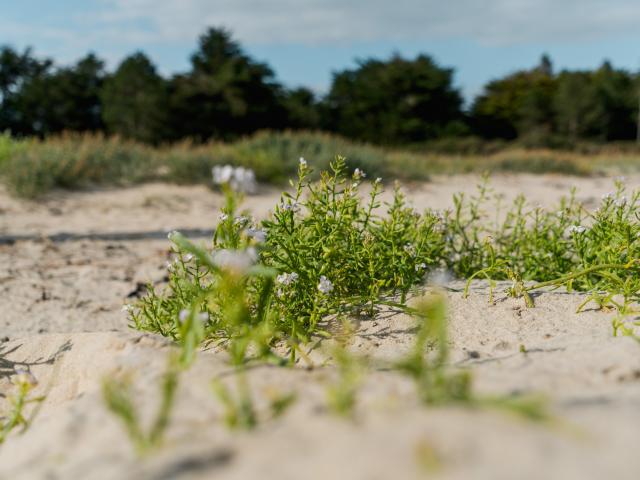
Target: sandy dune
60 315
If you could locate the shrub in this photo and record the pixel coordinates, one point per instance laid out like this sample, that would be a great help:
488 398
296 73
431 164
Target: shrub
324 252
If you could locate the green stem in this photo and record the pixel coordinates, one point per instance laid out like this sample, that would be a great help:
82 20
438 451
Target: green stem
571 276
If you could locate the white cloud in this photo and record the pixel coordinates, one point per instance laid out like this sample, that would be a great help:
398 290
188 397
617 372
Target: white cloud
334 21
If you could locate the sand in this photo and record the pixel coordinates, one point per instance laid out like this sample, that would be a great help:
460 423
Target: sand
60 313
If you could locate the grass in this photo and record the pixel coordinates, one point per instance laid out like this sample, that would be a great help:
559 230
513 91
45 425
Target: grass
31 168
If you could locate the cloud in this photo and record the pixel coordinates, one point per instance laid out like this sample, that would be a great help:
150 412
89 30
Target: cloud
259 22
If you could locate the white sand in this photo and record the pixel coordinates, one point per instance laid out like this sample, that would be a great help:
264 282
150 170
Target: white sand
60 307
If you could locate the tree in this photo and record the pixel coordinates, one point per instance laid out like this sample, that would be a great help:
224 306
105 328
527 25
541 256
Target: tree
17 70
615 108
575 104
65 99
226 94
518 105
134 100
303 111
394 101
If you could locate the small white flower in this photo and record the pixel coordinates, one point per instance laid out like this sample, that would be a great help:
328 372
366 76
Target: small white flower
237 261
287 278
240 179
576 229
290 206
357 173
172 234
184 315
222 174
607 196
621 202
421 266
258 235
187 258
223 217
303 162
241 220
379 180
410 249
127 308
325 286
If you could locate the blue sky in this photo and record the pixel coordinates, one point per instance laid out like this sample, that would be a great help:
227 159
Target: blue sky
305 40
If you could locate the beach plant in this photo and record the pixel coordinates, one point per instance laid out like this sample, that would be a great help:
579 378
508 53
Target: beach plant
323 252
342 392
597 252
427 362
240 411
24 382
437 383
119 398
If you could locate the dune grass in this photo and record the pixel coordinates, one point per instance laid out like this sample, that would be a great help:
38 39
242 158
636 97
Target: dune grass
31 168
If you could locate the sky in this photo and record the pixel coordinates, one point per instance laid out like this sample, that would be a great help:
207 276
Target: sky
304 41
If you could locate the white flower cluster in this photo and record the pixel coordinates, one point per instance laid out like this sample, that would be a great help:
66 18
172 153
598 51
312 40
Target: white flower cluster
291 206
325 286
287 279
303 163
576 229
607 196
238 261
358 174
420 266
239 179
284 280
258 235
184 314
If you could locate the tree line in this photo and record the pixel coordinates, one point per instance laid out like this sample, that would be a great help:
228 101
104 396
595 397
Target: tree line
226 94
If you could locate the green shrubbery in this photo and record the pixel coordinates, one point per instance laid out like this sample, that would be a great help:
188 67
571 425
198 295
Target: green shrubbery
324 252
34 167
327 252
264 291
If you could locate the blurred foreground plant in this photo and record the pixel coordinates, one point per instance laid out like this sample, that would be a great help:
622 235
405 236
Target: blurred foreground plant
24 382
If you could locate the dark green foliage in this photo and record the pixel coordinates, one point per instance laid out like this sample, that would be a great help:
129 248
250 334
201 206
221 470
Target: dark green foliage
540 108
135 101
51 101
394 101
226 94
303 109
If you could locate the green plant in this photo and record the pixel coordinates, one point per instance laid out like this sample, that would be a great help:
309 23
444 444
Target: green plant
595 252
24 382
322 254
434 382
342 393
118 398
